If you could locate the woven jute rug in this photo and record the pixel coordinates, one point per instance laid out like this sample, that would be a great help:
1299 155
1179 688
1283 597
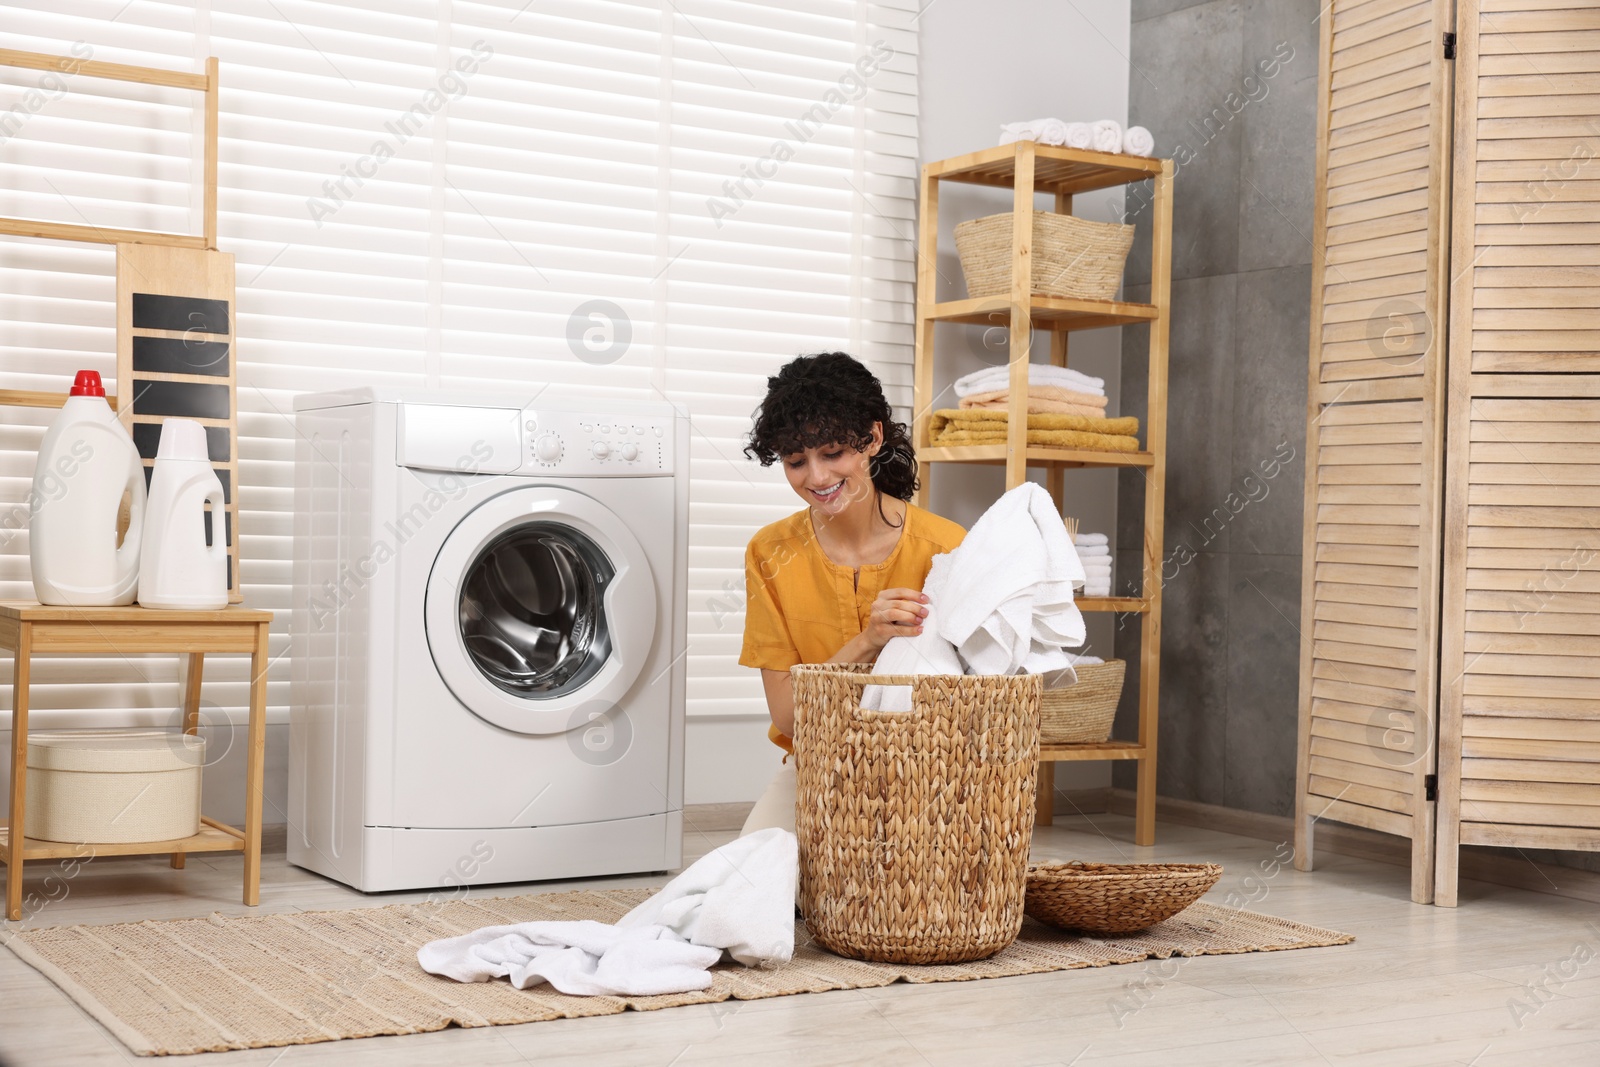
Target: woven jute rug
207 985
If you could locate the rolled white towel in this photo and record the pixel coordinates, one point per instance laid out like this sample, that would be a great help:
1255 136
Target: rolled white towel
1017 131
1137 141
1107 134
1078 135
1052 131
1091 539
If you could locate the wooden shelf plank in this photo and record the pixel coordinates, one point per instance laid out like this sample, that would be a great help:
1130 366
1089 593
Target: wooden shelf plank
1038 456
1047 312
1055 170
213 837
1112 603
1097 751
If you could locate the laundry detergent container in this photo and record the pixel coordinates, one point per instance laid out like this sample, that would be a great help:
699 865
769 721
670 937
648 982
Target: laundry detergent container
914 826
113 786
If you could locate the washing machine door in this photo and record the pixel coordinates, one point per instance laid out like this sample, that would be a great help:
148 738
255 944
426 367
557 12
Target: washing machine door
540 610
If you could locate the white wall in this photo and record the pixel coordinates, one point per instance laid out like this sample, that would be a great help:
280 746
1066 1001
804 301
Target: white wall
982 65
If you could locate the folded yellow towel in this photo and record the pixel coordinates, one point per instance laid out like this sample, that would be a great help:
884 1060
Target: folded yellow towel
1055 393
1036 406
972 426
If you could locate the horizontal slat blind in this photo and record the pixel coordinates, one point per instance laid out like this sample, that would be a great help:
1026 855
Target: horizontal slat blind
444 195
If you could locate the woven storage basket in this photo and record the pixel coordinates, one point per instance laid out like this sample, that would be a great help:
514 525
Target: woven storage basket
1079 713
1071 257
113 786
1115 898
914 826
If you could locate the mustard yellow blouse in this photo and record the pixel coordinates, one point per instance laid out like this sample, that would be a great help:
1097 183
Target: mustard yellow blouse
801 607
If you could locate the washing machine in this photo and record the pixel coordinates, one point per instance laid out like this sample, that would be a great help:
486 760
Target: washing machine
488 639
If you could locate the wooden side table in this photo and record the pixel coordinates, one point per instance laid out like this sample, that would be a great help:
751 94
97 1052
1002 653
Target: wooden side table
27 627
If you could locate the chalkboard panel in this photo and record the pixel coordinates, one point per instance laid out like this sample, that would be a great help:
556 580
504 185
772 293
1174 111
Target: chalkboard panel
189 400
151 312
180 355
147 439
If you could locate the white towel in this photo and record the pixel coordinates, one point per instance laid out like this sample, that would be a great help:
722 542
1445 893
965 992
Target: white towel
738 898
1000 603
1106 135
1017 131
1086 551
1097 588
992 378
1084 539
1092 567
1079 135
1052 131
1137 141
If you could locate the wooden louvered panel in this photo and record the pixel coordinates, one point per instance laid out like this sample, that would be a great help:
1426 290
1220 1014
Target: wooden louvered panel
1527 86
1369 609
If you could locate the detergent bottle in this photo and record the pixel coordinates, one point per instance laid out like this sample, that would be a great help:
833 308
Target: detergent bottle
177 567
87 464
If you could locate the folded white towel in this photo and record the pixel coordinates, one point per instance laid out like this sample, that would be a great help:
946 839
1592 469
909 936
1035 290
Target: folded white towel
992 378
1052 131
1079 135
1106 135
1090 566
738 898
1001 601
1093 550
1085 661
1084 539
1097 588
1137 141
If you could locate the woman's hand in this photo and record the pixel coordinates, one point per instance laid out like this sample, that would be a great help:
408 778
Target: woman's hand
896 613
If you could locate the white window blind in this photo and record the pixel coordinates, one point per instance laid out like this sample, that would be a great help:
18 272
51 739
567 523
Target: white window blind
658 198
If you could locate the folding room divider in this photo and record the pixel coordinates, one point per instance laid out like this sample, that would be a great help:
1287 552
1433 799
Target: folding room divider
1450 688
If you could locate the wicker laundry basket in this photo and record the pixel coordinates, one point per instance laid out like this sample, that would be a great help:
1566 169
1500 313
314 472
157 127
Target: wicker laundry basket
1071 257
1083 712
1115 898
113 786
914 826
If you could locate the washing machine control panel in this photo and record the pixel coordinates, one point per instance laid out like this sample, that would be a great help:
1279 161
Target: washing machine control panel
577 443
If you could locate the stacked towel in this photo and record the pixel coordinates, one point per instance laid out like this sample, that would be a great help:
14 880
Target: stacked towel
1000 603
1107 135
1041 398
992 378
738 899
1094 549
972 426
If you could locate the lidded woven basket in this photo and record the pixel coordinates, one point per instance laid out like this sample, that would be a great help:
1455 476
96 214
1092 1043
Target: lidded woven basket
914 826
1070 257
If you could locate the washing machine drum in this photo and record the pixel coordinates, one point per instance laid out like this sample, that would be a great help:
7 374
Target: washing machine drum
540 610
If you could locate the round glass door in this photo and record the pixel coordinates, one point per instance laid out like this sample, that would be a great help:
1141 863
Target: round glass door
540 606
532 610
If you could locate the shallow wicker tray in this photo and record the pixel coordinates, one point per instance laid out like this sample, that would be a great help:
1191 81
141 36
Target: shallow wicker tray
1115 898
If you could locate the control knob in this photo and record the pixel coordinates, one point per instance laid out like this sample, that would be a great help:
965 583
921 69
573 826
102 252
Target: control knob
548 448
630 451
601 450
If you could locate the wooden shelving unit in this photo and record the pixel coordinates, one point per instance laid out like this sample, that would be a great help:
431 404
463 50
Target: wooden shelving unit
1028 168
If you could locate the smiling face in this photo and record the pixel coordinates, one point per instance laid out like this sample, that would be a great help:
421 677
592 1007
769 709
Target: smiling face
833 477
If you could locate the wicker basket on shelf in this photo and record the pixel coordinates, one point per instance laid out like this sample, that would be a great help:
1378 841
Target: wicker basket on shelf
1071 257
1082 713
1115 898
914 826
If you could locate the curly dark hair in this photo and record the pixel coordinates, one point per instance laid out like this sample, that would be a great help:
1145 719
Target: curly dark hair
832 399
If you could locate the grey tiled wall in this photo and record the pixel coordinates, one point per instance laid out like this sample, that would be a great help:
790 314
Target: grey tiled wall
1241 285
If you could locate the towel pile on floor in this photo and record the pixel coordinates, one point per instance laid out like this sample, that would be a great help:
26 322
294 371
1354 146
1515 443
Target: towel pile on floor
738 899
1000 603
1106 135
1051 389
1094 549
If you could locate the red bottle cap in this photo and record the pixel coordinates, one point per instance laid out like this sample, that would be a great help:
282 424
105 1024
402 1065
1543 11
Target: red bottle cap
88 384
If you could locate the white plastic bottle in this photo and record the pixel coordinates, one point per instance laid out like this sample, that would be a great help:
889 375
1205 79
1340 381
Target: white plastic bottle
177 569
87 462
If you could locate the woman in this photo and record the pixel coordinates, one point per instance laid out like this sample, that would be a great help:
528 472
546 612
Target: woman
835 581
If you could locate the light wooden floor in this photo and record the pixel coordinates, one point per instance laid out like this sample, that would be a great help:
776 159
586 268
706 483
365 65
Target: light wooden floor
1510 978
